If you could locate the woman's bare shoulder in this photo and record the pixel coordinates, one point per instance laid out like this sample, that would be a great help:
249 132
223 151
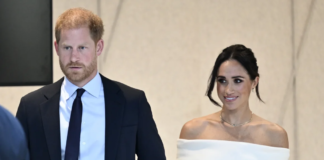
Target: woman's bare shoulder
275 133
194 127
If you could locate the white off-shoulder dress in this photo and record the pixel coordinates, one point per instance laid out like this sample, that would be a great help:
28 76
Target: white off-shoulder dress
228 150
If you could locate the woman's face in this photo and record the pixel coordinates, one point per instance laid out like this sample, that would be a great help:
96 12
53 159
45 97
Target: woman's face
234 85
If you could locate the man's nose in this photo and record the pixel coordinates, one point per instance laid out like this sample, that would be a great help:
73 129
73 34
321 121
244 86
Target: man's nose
75 55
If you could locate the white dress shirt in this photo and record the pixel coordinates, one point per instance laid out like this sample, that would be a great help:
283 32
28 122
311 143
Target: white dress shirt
92 138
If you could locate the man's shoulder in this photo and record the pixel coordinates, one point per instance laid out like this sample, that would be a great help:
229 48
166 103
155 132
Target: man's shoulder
120 86
127 88
39 93
129 92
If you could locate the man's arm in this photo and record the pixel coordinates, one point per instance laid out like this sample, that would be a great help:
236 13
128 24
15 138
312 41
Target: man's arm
21 116
149 145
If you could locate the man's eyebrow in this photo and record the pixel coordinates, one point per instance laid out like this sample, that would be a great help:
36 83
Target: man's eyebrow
64 44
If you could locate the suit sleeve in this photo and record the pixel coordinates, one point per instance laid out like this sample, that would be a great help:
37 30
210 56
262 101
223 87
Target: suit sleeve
149 145
22 117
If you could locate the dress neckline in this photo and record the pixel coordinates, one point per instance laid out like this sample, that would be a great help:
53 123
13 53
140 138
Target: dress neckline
227 141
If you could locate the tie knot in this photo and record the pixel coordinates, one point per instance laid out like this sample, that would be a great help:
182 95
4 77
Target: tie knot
80 91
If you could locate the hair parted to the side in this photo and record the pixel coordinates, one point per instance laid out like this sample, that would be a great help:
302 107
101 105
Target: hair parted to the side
241 54
79 17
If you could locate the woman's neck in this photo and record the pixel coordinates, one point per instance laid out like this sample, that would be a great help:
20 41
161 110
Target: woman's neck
237 116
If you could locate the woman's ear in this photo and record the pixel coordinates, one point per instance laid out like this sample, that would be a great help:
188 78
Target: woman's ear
255 82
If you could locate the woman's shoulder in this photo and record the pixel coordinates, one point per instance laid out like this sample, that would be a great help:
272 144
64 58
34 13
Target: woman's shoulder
273 132
193 128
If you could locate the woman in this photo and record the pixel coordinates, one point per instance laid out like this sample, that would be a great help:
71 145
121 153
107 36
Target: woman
235 132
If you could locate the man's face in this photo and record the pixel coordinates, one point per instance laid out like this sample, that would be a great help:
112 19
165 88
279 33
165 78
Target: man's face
78 55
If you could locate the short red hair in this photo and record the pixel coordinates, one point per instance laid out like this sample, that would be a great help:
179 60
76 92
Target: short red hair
79 17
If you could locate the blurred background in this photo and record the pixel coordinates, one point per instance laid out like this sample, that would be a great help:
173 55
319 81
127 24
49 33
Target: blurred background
168 47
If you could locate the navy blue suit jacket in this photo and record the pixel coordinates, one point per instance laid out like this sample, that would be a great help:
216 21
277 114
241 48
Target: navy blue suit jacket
13 145
130 128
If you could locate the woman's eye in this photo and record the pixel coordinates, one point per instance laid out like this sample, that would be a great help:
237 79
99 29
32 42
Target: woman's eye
221 80
238 81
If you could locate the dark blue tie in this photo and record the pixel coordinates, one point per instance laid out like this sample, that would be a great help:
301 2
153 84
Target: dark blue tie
72 148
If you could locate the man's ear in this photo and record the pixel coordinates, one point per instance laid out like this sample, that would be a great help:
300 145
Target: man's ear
56 47
99 47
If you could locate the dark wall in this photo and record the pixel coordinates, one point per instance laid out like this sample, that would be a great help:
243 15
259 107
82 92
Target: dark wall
26 42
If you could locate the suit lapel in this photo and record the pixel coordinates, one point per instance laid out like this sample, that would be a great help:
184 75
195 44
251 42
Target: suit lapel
51 121
114 110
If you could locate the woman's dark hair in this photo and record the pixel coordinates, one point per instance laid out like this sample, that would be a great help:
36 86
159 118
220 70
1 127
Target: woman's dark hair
242 55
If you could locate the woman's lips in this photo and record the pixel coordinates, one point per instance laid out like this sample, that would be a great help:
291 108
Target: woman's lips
230 99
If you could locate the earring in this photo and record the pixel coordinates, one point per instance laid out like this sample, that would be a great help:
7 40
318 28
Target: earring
252 89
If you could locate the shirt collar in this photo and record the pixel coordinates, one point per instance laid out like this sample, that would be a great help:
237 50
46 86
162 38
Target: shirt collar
93 87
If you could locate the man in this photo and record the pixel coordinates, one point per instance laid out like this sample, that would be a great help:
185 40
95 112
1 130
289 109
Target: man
84 115
13 145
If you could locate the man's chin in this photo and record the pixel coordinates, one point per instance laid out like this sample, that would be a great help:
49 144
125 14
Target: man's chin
75 77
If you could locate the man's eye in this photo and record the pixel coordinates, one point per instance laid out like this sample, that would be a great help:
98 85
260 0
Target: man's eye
82 48
67 48
221 80
238 81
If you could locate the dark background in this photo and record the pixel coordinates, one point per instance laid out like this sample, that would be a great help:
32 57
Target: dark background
26 42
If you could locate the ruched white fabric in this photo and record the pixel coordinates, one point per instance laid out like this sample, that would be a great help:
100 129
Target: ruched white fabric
228 150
